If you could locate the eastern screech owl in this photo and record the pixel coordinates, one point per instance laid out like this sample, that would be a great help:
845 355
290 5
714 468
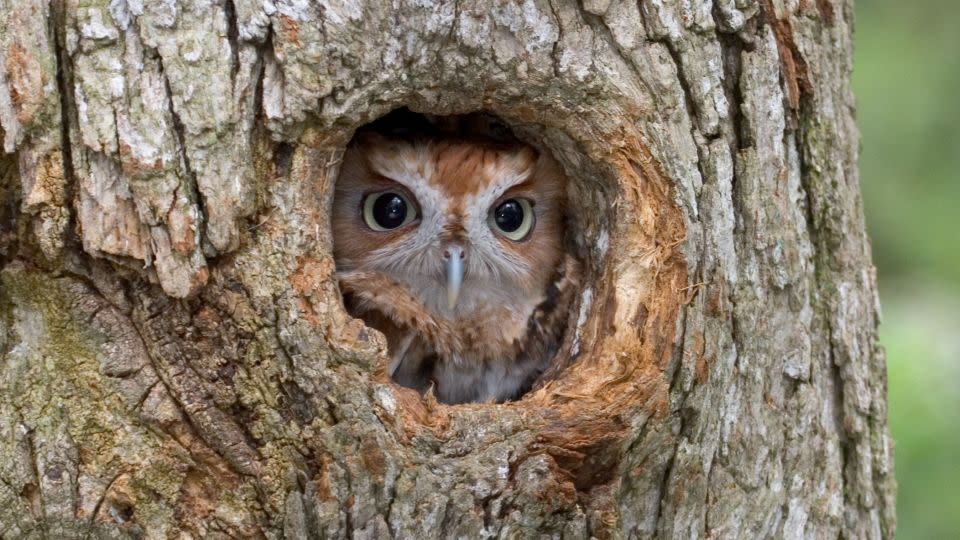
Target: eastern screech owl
453 248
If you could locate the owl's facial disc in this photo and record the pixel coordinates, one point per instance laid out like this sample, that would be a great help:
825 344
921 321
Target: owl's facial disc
454 256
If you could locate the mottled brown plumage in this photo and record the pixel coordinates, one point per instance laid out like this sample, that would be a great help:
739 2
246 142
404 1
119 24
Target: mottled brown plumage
453 248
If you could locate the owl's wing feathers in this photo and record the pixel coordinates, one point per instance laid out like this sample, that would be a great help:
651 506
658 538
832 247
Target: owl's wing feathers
499 370
415 336
370 291
544 340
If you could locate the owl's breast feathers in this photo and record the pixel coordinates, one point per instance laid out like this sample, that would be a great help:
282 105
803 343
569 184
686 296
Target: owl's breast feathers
493 353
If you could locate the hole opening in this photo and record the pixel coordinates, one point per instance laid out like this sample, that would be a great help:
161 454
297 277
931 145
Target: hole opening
501 319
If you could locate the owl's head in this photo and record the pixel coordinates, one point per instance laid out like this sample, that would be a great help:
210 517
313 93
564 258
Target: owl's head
464 224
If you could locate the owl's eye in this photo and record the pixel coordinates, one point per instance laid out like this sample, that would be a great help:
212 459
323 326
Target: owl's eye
387 210
512 218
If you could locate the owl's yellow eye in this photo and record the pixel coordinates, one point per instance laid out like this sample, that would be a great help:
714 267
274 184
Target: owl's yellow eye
512 218
387 210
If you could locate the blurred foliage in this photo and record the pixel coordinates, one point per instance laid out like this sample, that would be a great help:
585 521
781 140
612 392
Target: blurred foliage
907 81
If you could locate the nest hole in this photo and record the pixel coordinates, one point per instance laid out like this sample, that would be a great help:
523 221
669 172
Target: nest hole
471 245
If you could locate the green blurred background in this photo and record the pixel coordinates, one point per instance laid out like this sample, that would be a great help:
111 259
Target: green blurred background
907 81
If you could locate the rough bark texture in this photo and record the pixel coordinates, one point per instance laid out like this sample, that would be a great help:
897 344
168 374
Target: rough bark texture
175 359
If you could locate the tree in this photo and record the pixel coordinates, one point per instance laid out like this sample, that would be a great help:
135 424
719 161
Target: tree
176 360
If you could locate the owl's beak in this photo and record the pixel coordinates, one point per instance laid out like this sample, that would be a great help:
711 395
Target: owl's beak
454 256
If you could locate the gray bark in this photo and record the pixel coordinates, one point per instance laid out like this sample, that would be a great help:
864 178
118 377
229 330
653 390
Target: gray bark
175 360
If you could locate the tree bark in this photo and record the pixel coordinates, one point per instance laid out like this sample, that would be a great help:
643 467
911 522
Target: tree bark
175 360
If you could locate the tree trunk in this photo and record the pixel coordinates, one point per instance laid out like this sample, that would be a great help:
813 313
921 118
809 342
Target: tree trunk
175 360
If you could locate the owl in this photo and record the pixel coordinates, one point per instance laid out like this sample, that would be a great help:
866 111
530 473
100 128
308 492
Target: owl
453 248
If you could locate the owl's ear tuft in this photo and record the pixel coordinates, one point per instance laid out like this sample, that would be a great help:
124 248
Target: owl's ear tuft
528 153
